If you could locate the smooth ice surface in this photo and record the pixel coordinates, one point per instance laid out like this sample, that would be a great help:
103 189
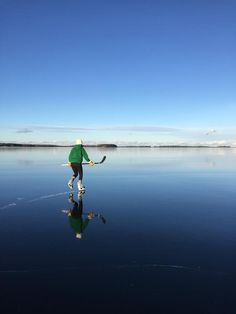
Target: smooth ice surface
168 244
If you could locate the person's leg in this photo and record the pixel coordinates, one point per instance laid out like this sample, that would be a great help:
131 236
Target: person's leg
75 170
80 170
75 212
80 207
80 185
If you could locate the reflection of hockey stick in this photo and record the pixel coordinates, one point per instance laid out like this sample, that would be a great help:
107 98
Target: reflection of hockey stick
87 163
99 216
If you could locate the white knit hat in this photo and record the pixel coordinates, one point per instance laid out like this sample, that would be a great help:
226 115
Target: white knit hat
79 141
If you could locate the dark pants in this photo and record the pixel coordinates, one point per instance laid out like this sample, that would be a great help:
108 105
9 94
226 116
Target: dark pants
77 210
77 169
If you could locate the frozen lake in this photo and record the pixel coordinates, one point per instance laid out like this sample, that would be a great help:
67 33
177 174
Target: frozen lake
168 244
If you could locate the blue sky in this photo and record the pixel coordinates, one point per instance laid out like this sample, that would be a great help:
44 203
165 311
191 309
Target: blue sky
133 71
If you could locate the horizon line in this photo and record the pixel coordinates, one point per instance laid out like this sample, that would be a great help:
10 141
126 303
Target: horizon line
113 145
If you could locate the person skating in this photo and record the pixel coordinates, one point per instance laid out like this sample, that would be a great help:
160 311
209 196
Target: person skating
76 156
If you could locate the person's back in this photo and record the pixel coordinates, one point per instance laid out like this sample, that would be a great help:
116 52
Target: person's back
77 154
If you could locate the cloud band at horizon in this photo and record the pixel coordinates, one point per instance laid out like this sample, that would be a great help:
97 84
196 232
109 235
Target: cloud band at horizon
119 134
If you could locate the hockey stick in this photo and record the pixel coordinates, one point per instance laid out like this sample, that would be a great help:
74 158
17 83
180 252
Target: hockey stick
99 216
87 163
96 163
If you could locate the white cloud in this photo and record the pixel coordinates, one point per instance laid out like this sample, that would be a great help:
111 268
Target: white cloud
135 128
24 130
212 131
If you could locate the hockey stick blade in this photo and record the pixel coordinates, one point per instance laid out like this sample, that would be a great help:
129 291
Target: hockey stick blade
102 218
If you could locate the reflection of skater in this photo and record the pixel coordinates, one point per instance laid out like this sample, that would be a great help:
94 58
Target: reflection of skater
75 216
76 156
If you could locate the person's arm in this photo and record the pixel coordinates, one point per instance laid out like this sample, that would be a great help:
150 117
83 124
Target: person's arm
86 157
85 224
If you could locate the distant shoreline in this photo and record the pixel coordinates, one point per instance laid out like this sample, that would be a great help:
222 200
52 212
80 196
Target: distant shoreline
52 145
115 146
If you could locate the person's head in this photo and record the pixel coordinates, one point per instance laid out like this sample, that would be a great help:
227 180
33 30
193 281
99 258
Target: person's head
79 141
79 236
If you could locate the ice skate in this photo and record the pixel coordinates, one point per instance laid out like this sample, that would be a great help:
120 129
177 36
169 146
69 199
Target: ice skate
80 195
71 198
70 183
81 187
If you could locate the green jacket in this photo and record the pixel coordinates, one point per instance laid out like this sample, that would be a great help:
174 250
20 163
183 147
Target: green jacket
77 154
78 224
